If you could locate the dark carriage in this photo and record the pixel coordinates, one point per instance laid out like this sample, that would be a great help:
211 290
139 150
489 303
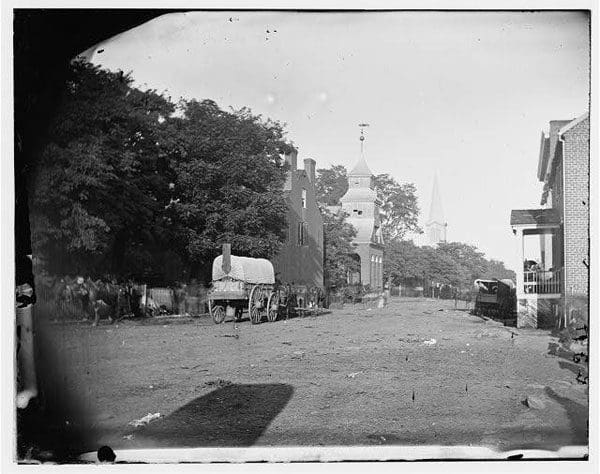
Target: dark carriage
495 298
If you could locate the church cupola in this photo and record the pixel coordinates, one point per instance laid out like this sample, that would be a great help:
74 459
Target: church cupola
360 183
361 205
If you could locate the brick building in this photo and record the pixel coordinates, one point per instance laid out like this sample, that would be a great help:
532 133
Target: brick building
300 261
553 242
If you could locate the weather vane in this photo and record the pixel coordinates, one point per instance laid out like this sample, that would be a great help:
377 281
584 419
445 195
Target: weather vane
362 136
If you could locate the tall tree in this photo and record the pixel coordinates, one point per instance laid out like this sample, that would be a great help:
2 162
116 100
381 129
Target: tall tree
228 185
99 191
338 236
403 262
399 209
332 184
129 183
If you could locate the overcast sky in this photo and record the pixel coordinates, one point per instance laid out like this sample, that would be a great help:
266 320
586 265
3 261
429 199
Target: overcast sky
463 94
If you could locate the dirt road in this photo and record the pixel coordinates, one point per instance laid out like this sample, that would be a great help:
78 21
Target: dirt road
415 372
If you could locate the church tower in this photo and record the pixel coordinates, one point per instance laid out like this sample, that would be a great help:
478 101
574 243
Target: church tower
362 206
436 225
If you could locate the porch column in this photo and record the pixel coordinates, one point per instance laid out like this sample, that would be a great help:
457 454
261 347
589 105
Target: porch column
527 304
519 262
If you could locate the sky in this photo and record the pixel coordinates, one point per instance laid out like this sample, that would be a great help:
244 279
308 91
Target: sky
465 95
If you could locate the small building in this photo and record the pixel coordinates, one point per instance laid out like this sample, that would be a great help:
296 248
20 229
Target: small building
552 242
363 208
300 260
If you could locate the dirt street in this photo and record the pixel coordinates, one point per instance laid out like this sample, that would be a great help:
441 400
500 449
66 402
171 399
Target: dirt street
416 372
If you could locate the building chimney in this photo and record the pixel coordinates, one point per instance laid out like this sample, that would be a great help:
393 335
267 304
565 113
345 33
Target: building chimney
226 261
291 159
309 167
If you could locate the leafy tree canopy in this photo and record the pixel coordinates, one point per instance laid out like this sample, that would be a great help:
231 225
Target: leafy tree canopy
338 248
98 186
399 209
228 183
332 184
127 185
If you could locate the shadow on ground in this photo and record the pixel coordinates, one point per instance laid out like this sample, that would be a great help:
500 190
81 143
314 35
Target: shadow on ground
234 415
556 349
577 413
572 366
58 424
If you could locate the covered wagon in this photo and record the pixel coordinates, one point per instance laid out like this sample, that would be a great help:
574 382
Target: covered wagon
242 283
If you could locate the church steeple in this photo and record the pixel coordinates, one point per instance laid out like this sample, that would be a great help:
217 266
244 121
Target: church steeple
436 225
436 211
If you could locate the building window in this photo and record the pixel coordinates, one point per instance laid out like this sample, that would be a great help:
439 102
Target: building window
304 198
302 233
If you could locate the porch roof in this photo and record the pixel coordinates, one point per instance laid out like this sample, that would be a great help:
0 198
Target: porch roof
534 218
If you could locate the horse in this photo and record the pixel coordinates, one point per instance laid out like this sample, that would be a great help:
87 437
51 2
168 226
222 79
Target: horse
110 296
97 296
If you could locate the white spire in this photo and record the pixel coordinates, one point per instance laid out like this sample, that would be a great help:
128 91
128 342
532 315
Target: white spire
436 211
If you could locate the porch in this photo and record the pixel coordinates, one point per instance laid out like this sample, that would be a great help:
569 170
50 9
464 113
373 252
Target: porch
544 283
539 266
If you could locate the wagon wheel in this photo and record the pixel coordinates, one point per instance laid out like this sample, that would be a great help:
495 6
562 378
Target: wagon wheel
218 314
273 306
255 304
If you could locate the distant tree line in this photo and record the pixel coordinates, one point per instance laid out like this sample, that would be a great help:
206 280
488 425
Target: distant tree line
451 263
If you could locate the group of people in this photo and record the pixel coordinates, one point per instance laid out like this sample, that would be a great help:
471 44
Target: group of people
533 266
93 298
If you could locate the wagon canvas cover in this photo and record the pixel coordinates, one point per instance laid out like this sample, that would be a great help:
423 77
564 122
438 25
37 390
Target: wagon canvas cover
249 270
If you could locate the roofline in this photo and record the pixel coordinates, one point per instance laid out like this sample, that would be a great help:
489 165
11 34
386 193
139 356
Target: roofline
536 226
572 123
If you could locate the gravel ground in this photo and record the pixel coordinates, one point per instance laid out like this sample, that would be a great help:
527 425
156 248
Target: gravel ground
415 372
